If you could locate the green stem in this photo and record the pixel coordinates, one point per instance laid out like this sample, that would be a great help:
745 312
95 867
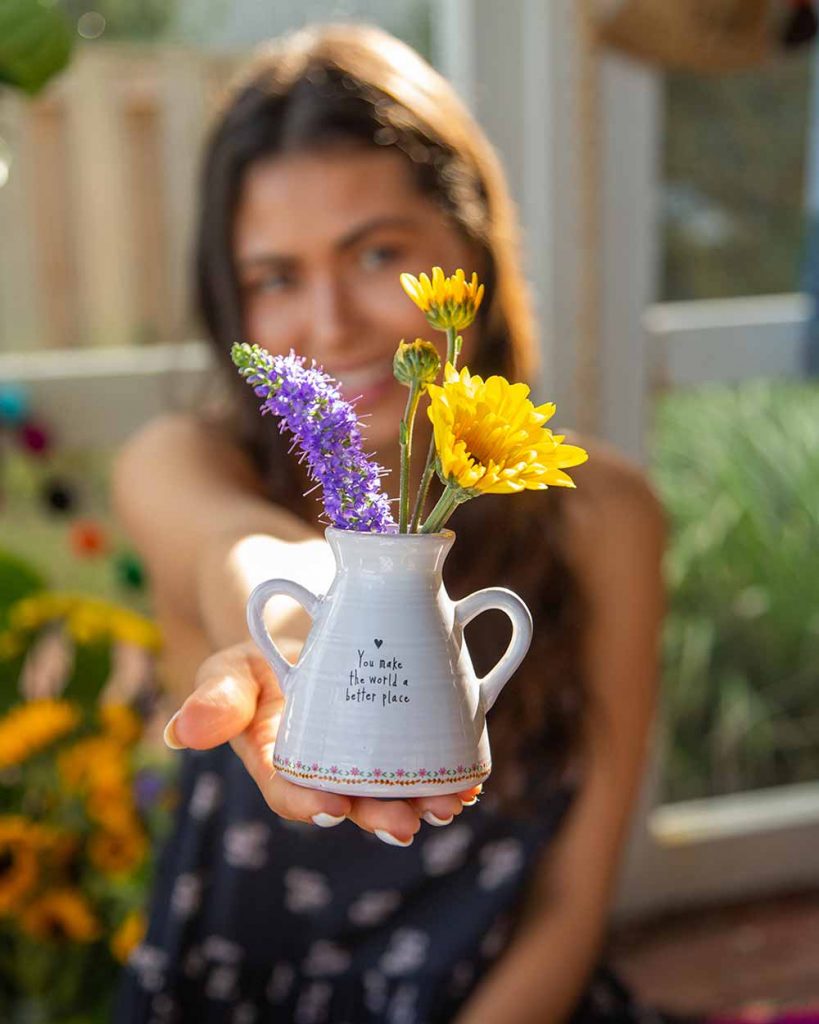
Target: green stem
452 349
426 479
447 504
407 425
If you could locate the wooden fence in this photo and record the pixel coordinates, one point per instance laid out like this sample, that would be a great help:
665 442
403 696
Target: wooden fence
97 212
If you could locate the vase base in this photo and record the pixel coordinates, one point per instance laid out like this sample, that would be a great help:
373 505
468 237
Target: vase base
390 790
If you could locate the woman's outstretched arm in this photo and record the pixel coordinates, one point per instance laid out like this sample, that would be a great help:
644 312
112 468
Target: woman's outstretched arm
194 507
618 538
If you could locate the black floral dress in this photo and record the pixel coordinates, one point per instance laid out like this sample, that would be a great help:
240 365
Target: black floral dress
255 919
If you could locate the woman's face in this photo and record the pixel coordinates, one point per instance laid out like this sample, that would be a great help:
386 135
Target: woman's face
320 240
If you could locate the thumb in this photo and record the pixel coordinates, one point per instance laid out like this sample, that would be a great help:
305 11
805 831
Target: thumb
222 705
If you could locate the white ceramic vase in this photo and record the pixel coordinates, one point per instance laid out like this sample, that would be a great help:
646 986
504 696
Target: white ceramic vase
383 700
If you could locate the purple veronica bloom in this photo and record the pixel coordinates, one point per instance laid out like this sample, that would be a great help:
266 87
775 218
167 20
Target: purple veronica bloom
326 429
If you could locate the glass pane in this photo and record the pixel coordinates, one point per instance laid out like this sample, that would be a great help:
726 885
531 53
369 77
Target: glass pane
738 470
733 180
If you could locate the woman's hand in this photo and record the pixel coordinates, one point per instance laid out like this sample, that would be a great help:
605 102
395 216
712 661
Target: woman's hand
237 699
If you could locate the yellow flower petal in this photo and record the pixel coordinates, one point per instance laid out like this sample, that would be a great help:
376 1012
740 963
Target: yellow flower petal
490 437
447 302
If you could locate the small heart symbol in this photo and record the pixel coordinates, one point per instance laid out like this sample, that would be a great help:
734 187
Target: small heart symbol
378 643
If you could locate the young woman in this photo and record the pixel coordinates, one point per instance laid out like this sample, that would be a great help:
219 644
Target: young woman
340 160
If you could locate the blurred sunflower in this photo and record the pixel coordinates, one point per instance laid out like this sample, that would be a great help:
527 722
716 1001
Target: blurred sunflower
60 915
29 728
121 723
129 934
118 852
19 868
94 762
113 810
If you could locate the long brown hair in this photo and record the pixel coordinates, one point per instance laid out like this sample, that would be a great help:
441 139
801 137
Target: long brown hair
359 85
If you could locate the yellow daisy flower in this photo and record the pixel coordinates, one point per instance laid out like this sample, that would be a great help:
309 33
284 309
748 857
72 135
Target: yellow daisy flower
32 612
130 628
61 914
30 727
448 302
128 936
491 439
19 868
88 623
88 620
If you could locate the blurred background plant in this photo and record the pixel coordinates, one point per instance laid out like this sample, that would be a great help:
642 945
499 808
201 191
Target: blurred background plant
738 471
83 799
35 43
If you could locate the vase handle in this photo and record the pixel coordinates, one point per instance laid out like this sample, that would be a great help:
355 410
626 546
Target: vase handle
506 601
258 630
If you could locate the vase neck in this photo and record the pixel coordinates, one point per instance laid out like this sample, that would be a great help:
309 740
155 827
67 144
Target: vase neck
381 553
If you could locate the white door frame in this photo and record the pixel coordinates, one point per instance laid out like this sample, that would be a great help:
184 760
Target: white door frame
525 69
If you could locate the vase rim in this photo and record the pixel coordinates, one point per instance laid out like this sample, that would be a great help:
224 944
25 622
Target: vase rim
444 534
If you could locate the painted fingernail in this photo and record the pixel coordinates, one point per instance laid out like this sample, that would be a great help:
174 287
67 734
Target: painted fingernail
432 819
169 735
328 820
388 837
470 803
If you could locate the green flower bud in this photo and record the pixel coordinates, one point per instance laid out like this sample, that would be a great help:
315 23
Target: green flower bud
416 362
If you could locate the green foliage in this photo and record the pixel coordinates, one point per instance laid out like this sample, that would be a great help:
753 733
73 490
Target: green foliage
18 579
738 470
35 43
92 665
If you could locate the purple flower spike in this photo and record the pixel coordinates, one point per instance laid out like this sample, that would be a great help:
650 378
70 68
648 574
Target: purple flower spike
326 429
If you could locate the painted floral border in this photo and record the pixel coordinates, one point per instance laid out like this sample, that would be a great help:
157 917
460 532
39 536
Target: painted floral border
381 776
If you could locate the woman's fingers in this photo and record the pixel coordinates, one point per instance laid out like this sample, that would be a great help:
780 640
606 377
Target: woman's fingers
225 699
399 820
441 810
470 796
296 803
438 810
394 819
